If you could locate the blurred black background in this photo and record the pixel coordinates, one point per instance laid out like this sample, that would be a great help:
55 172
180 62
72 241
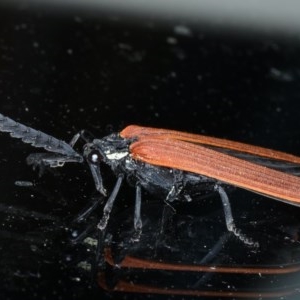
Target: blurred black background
62 71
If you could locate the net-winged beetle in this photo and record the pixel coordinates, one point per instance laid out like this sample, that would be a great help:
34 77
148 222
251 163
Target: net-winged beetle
169 161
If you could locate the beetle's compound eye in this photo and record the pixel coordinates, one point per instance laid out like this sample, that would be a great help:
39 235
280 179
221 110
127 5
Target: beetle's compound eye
95 157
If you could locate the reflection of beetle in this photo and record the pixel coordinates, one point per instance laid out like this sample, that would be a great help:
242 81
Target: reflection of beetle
168 261
171 161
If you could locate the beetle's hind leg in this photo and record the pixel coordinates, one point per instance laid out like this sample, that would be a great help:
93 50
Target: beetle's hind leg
229 218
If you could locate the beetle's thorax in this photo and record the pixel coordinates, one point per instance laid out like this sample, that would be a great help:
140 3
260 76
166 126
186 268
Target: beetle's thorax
113 148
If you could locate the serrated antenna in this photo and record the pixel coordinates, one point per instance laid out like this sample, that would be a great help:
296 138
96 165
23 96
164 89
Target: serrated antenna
37 138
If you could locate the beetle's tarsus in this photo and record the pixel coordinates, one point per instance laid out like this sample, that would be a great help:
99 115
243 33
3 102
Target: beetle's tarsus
136 236
103 222
241 236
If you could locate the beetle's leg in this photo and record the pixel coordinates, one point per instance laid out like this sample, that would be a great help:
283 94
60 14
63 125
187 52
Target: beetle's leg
177 186
165 223
95 170
85 135
109 204
229 218
100 253
177 189
210 258
88 210
138 225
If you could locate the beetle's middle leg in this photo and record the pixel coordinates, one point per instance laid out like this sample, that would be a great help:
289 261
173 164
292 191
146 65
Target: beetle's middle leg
137 221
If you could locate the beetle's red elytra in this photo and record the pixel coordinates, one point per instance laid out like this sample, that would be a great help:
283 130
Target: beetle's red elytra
188 152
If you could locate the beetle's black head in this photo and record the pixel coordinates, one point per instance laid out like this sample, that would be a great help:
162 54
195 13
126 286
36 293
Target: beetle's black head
112 150
109 149
93 154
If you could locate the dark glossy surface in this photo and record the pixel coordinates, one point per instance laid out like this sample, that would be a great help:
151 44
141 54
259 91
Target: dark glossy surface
189 252
62 72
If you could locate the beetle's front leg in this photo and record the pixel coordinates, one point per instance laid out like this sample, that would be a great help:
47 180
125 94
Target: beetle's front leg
83 134
109 204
